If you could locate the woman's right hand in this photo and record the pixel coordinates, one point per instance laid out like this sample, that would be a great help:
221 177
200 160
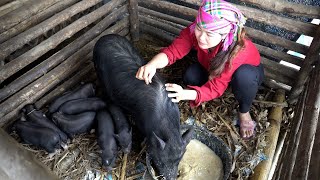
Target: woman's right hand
146 73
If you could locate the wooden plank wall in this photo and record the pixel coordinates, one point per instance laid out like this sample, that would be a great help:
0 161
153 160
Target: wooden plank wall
49 51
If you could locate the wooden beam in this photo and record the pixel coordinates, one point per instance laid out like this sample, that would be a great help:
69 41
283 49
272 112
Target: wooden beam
170 7
134 19
279 55
156 33
61 55
315 157
86 73
275 85
291 144
3 2
309 127
160 25
10 6
277 154
29 9
252 13
9 109
22 61
276 40
20 40
37 18
262 170
176 20
287 7
290 153
288 24
279 68
38 88
280 78
311 57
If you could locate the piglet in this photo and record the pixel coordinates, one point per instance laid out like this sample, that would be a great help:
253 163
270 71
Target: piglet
82 105
84 91
106 140
74 124
37 135
38 117
122 128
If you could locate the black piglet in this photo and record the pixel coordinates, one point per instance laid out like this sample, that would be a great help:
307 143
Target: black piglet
84 91
82 105
38 117
37 135
106 140
122 128
74 124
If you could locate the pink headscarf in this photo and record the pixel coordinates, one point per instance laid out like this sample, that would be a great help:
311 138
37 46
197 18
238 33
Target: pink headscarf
218 14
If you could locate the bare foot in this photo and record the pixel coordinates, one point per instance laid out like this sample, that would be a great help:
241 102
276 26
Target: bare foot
246 125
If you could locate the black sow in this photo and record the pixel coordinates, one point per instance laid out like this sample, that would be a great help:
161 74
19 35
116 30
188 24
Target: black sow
116 63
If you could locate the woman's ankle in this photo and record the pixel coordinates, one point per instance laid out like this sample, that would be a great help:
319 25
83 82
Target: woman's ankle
245 116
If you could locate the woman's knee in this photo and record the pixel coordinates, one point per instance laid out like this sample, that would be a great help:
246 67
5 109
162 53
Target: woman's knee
246 76
245 83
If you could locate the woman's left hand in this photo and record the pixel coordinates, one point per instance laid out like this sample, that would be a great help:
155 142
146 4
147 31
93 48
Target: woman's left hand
177 93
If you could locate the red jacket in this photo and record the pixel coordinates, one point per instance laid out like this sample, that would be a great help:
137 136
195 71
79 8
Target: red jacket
214 88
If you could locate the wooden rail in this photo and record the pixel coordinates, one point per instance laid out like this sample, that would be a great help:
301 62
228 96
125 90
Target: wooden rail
18 41
60 56
35 19
10 108
22 61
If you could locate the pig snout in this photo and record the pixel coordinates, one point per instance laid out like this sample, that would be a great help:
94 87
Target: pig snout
84 91
124 139
74 124
108 159
166 155
82 105
106 140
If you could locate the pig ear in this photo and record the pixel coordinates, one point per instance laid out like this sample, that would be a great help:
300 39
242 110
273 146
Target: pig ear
186 136
161 143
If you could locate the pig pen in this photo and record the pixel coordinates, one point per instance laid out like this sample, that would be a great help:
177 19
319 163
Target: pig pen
46 50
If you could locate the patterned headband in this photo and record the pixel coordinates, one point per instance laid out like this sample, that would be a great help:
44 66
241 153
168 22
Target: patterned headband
217 14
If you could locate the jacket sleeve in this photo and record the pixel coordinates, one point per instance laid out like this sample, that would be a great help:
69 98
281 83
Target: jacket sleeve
180 47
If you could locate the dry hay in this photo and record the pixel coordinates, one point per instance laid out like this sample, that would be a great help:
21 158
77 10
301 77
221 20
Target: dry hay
82 158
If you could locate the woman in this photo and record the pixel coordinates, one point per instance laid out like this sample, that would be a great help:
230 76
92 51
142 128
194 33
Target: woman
225 56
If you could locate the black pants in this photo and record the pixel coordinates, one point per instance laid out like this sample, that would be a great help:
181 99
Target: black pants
245 82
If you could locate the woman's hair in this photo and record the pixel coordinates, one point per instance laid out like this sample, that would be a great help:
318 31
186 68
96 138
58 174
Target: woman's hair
218 63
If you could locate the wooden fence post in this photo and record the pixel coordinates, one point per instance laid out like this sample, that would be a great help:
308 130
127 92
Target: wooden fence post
261 172
306 68
134 19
